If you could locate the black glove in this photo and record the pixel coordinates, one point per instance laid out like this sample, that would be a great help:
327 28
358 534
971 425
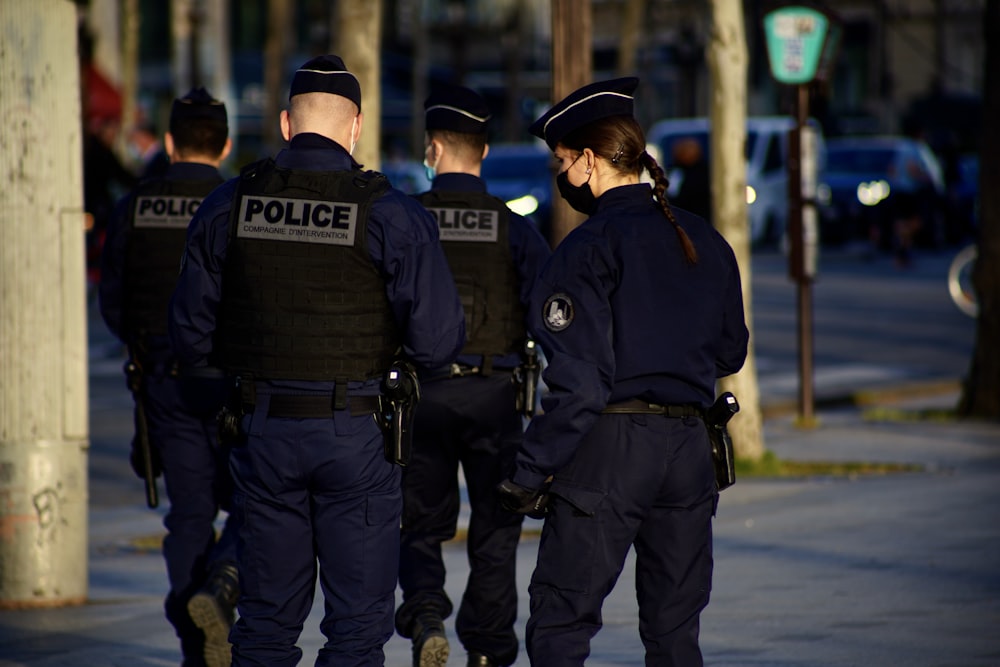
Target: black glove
135 459
522 500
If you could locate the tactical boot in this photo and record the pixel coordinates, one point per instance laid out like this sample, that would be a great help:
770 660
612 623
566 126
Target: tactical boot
477 659
430 645
213 610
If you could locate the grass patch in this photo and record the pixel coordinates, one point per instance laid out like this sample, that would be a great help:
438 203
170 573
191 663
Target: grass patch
771 466
882 414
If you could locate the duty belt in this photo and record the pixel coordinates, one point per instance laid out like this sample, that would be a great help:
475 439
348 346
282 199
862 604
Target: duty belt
638 407
308 406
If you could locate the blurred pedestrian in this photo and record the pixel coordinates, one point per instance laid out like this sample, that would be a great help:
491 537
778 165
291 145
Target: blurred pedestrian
694 193
639 311
304 279
468 414
177 412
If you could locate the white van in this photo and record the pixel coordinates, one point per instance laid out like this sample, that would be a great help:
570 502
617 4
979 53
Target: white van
767 166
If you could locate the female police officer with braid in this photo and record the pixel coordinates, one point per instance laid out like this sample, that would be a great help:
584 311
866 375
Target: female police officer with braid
639 310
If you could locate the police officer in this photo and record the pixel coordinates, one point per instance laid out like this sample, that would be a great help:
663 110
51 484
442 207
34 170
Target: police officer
638 311
144 246
304 278
467 411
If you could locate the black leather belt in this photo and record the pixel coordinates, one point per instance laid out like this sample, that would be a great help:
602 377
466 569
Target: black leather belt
301 406
638 407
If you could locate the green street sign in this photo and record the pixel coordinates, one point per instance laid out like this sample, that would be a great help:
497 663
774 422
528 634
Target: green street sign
797 43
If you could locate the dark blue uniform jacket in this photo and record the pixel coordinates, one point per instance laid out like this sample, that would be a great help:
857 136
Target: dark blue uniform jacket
528 248
112 287
403 243
643 323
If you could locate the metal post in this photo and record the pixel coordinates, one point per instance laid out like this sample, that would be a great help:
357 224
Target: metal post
44 425
800 264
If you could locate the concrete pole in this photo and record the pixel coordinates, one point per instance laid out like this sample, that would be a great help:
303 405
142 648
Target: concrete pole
44 427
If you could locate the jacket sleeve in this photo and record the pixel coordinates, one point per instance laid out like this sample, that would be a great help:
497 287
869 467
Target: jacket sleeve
735 336
195 302
530 251
111 291
577 282
403 243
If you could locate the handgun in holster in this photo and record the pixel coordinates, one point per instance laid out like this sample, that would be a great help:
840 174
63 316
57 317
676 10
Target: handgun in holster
716 418
230 417
397 406
526 380
140 444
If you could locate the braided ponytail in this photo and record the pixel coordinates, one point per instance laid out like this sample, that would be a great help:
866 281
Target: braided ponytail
660 192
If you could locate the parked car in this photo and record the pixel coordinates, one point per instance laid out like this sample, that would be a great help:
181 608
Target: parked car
874 180
521 174
767 165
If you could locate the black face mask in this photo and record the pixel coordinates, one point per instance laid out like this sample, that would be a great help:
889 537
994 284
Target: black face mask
580 197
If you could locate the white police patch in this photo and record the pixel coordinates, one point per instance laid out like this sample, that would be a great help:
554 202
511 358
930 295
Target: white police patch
558 312
459 224
302 220
165 212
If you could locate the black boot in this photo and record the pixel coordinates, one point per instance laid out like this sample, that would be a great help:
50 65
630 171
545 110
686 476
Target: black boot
477 659
213 609
430 645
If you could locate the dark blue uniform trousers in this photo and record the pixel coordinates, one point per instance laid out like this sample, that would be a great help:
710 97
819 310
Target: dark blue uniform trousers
308 492
637 480
198 485
469 421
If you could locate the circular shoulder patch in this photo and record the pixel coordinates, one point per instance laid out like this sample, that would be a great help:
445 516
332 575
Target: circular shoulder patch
557 312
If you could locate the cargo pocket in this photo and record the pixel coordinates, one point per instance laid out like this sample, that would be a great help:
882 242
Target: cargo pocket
381 552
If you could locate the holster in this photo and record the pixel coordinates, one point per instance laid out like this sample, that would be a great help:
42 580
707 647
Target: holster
140 444
716 419
526 380
397 407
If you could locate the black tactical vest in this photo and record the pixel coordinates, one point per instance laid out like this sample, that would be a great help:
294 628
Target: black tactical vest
158 222
301 298
475 234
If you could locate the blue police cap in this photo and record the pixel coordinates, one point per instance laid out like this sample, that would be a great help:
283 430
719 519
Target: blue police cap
197 104
326 74
456 108
585 105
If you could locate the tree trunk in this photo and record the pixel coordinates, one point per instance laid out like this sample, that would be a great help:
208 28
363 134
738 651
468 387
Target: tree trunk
358 38
572 67
981 395
629 36
130 70
44 426
727 60
276 49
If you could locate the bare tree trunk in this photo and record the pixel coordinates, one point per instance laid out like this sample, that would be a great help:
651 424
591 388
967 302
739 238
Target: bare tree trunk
628 39
276 48
44 427
981 395
359 38
727 60
572 67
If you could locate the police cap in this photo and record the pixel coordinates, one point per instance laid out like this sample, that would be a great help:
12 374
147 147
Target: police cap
197 105
326 74
585 105
456 108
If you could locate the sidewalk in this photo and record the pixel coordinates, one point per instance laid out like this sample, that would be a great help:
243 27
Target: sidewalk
885 570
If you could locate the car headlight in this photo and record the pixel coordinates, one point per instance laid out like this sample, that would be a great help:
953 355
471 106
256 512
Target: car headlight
872 192
751 194
523 206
